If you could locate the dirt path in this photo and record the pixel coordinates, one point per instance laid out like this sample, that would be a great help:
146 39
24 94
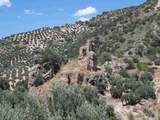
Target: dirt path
120 111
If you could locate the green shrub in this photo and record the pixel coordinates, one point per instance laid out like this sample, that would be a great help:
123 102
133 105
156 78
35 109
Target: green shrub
103 57
58 116
91 112
100 83
91 95
66 99
116 81
130 98
4 84
146 92
142 66
20 106
133 89
52 57
135 59
116 92
108 70
131 84
77 103
130 63
146 77
140 50
8 113
152 53
124 73
38 81
22 86
157 61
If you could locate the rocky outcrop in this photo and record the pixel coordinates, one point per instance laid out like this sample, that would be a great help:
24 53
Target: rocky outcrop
87 56
83 70
79 71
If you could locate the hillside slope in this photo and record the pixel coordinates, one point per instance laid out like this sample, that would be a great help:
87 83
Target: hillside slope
129 32
125 53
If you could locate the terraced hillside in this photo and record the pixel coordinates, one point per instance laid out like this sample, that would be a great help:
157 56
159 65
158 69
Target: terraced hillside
17 51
